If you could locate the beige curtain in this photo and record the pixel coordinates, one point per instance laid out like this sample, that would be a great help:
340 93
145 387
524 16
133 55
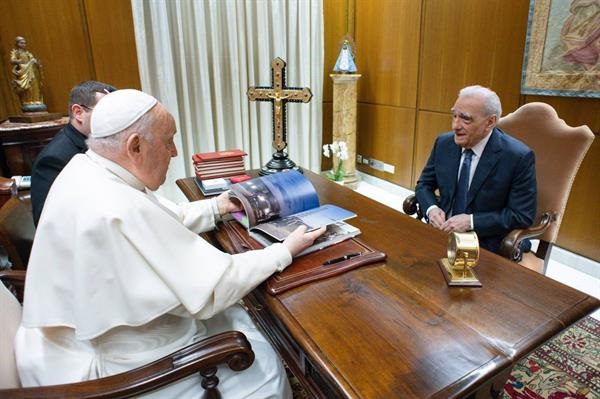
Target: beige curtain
199 58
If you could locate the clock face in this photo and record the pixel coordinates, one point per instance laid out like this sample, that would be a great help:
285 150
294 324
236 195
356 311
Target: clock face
463 249
452 247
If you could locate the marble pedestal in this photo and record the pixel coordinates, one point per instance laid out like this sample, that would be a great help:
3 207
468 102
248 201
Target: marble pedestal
344 121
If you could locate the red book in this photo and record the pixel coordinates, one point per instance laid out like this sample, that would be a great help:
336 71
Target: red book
205 176
228 161
241 168
240 178
208 166
217 155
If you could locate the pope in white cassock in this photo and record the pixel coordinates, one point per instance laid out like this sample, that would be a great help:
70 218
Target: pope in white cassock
119 277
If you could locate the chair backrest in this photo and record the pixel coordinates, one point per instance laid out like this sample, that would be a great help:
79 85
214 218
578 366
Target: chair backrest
559 150
17 231
10 318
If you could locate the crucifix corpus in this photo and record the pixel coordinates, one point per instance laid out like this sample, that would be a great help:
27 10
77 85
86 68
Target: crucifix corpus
279 95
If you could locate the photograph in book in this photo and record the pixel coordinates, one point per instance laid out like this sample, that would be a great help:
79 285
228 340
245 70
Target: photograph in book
277 204
335 233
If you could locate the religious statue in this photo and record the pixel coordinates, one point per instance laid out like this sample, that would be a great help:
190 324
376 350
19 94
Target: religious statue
27 82
345 61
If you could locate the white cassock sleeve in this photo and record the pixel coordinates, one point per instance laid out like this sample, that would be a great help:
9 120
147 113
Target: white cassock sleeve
198 216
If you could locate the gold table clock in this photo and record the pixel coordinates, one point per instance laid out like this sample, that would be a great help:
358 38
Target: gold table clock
463 256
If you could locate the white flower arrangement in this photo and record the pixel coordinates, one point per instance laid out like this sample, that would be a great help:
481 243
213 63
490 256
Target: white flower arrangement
339 150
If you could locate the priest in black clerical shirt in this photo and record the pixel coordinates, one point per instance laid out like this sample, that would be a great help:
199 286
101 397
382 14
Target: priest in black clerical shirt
68 142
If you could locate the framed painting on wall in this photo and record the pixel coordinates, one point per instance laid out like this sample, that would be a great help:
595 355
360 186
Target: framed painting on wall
562 52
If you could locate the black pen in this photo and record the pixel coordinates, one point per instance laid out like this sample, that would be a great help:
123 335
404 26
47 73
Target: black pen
341 258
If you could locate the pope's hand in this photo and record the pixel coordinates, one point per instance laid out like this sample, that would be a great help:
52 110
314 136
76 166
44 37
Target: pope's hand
227 205
300 239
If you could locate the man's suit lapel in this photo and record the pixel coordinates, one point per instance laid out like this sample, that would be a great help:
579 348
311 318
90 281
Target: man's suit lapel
488 161
452 173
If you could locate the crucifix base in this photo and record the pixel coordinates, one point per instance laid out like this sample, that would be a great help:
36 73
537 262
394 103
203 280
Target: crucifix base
279 163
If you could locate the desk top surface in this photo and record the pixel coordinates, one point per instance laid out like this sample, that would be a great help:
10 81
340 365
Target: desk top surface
395 329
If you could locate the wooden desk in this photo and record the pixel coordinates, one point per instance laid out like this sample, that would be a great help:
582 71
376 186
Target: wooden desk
22 142
395 329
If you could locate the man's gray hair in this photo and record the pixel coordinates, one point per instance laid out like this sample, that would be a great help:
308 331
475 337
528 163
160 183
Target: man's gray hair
491 101
114 143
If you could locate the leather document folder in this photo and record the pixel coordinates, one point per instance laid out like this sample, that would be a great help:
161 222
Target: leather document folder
328 262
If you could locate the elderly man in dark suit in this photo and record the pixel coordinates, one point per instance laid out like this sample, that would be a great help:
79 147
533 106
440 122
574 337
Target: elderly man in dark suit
485 178
68 142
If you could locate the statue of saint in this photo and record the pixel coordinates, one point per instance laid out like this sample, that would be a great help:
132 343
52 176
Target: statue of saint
27 82
345 61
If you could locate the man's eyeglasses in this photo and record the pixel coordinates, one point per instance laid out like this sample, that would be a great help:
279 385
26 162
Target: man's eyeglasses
86 107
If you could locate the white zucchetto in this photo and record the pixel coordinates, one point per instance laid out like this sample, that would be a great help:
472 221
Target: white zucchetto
118 110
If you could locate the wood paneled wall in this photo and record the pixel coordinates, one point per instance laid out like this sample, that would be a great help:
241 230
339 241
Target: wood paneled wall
414 56
75 40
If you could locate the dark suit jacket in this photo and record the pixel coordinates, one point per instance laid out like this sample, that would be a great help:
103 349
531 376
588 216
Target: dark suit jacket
48 164
502 194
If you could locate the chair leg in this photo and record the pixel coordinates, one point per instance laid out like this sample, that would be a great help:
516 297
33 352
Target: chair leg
543 248
547 251
209 383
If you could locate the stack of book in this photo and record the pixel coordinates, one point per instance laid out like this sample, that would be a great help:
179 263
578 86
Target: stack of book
212 165
218 185
216 171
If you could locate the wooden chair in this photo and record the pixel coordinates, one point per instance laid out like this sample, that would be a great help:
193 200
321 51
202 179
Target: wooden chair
17 230
559 150
8 187
230 348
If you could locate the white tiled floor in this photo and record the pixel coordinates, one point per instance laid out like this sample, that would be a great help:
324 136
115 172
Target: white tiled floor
571 269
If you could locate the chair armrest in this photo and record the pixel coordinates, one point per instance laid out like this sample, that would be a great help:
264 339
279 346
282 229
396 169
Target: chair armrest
511 244
410 205
231 348
13 276
7 185
14 281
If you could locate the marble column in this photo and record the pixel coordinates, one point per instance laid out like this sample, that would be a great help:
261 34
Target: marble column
344 121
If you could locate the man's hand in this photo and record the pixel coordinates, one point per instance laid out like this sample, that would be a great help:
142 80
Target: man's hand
300 239
458 224
227 204
437 217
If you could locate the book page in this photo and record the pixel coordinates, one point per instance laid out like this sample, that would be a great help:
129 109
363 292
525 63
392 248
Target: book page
334 234
314 218
274 196
337 232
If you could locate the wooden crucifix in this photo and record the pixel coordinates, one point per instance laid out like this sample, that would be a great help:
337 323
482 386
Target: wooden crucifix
279 95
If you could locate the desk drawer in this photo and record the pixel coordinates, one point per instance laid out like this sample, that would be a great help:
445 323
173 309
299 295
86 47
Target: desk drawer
289 351
274 331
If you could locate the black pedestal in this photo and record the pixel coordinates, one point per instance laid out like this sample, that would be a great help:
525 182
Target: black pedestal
279 163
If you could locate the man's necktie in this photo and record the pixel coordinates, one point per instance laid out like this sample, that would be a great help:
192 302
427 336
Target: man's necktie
460 199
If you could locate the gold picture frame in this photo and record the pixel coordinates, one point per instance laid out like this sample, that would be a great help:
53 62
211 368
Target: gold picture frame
562 51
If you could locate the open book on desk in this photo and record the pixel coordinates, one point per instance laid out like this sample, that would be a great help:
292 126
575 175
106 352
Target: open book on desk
334 233
275 205
328 262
